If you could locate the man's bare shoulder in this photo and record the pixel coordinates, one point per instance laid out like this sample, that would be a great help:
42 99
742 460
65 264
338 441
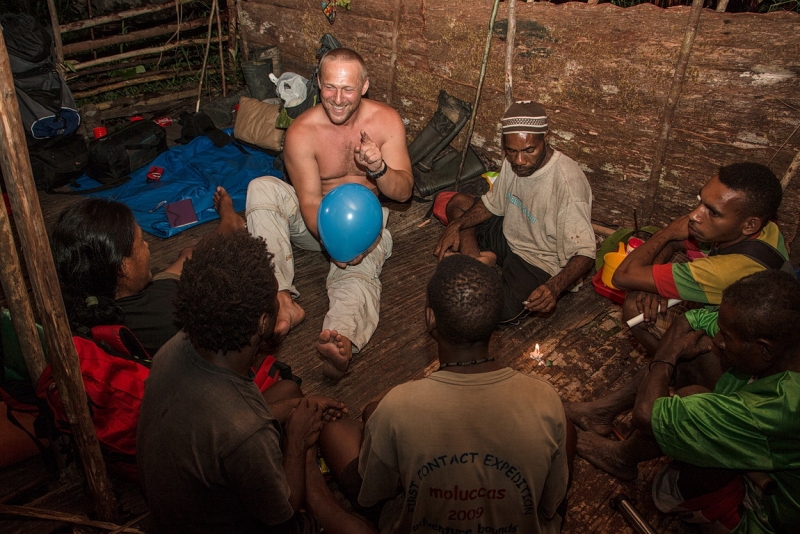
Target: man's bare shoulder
309 119
374 110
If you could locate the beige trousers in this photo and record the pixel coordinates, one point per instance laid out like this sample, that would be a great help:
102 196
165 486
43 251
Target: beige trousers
354 293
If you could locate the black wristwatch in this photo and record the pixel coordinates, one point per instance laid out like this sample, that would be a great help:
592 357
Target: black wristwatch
376 175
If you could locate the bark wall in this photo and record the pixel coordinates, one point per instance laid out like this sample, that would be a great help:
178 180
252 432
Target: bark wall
602 72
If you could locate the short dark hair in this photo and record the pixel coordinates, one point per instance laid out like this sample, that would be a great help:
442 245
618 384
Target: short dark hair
762 189
344 54
466 297
89 241
769 304
225 288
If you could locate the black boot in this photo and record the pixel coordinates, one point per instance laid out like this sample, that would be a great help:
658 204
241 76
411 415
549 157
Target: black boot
451 115
444 172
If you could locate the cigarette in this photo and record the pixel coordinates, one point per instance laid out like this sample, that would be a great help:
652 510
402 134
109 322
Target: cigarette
639 318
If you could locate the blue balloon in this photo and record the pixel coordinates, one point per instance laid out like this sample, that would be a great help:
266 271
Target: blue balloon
349 221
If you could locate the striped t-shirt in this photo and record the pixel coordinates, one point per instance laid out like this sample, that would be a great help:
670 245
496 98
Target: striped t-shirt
704 279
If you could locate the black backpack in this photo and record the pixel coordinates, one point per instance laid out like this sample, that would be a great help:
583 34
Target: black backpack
46 104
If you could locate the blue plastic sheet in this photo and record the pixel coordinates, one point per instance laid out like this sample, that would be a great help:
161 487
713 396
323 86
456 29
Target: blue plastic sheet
191 171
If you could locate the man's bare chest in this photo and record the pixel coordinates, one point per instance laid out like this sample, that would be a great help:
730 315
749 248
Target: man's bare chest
336 157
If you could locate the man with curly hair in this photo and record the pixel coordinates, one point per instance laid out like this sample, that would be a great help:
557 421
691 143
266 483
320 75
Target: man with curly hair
474 447
208 441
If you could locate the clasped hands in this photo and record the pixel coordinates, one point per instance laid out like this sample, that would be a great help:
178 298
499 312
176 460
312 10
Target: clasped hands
682 343
306 420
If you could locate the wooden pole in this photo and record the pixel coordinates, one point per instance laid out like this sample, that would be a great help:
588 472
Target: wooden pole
481 78
44 282
51 7
791 171
137 81
511 33
136 53
205 57
232 29
52 515
122 15
245 45
135 104
221 51
17 300
398 6
648 204
93 44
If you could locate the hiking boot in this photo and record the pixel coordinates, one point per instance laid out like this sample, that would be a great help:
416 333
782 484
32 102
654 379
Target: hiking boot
444 172
220 111
451 115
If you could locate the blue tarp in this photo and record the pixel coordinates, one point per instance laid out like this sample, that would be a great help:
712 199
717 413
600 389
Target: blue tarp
191 171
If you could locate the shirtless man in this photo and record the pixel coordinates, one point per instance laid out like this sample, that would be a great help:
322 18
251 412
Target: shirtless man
345 140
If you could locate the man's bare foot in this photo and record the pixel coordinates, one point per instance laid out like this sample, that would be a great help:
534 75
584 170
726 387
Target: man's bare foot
229 220
605 454
335 351
590 416
290 314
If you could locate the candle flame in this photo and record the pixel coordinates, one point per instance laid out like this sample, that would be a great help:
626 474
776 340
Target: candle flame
536 352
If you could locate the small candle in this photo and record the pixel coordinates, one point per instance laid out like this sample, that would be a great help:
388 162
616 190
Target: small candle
536 353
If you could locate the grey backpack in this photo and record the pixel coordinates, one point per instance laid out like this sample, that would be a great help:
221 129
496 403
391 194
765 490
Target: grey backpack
45 102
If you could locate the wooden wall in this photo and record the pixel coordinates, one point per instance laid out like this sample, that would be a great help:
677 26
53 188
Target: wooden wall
602 72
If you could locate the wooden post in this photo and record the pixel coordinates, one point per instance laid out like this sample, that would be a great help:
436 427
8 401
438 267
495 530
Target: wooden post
120 15
398 5
791 171
17 299
511 33
481 78
648 204
221 51
232 32
91 30
33 236
245 45
205 57
51 7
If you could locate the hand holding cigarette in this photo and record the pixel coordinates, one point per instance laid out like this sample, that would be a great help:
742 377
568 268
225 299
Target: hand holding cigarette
639 318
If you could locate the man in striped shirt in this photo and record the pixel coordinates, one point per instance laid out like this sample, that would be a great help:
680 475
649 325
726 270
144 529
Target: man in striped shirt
734 206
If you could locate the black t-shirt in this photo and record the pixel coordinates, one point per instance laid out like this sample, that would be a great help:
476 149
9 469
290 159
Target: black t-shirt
150 314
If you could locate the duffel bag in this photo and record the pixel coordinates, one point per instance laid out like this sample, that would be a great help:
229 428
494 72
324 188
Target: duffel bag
113 157
58 161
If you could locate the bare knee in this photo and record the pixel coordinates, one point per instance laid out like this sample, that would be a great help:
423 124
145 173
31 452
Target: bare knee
282 390
340 443
457 205
629 308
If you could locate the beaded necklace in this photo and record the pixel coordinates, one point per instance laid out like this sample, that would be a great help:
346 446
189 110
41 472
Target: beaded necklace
463 364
